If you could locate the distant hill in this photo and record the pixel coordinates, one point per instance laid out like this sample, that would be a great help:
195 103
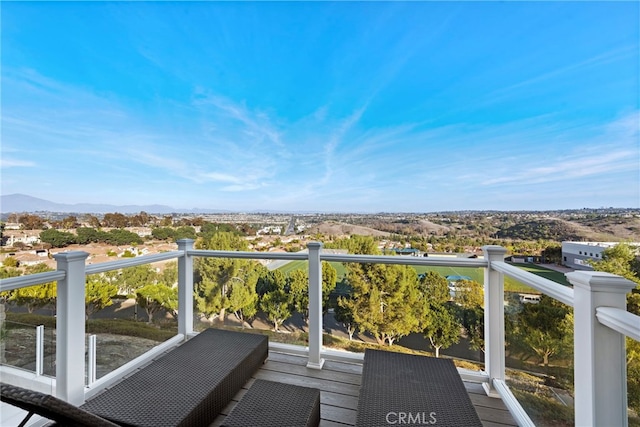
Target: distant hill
19 203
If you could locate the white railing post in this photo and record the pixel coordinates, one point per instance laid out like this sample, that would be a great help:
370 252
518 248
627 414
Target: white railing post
91 362
493 318
599 352
315 306
39 349
70 327
185 288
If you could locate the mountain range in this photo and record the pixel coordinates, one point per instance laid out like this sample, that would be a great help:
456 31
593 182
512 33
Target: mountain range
19 203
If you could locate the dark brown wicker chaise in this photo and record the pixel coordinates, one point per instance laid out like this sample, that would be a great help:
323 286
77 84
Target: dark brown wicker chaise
49 407
410 389
187 386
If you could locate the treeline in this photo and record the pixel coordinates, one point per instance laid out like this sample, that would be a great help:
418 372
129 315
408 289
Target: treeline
117 220
119 236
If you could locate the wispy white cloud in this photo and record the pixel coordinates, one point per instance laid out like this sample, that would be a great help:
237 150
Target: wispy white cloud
16 163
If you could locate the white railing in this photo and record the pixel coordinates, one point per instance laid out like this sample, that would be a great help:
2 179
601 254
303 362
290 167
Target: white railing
601 322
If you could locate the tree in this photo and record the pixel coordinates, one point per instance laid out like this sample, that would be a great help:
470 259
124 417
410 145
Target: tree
277 306
329 281
384 300
243 301
184 232
215 277
69 222
93 221
472 320
298 285
344 315
35 297
155 297
115 220
31 222
132 279
469 294
545 329
162 233
276 301
119 237
442 329
434 287
57 239
98 293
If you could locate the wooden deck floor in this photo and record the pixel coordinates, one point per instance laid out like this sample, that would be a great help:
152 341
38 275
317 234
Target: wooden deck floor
339 385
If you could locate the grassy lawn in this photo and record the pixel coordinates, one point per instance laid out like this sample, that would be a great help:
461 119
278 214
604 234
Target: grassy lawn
476 274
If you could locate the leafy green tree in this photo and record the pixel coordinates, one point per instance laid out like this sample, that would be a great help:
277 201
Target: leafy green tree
169 275
215 277
298 285
133 278
442 328
469 294
276 302
546 329
57 239
329 281
155 297
85 235
163 233
243 301
121 237
344 315
98 293
472 320
35 297
184 232
384 300
434 287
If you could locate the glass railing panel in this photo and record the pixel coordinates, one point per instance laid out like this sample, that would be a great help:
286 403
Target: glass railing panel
130 311
21 346
539 357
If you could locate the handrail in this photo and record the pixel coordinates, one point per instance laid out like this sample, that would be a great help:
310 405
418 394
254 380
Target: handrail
406 260
31 280
131 262
620 321
291 256
555 290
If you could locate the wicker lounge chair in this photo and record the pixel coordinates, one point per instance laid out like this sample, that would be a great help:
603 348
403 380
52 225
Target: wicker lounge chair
410 389
187 386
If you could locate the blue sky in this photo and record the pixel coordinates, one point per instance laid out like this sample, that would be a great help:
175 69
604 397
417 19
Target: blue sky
319 106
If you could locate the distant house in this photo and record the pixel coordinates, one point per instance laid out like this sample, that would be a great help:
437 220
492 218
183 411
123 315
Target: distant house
578 254
404 251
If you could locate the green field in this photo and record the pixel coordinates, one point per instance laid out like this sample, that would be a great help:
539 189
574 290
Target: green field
476 274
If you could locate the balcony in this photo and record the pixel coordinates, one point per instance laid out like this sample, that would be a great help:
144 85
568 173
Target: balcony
601 324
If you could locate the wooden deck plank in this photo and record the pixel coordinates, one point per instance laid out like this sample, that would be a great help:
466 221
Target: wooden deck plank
339 385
